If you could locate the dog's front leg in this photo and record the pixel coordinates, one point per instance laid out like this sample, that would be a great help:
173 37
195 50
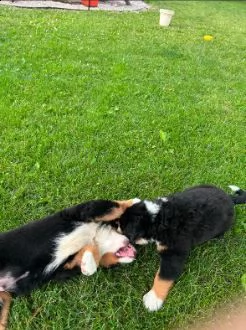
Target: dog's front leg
172 262
87 259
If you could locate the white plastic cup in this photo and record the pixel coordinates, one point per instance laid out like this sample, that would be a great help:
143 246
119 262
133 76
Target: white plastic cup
166 17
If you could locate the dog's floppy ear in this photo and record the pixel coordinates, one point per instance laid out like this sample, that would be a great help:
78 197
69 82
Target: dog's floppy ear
117 211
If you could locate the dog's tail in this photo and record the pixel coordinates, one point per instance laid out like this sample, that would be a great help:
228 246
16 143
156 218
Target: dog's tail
240 195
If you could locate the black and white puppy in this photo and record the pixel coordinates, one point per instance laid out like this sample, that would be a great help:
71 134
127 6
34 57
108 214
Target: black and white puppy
177 223
37 252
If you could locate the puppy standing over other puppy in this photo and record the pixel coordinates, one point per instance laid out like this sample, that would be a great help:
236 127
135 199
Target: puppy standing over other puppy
176 224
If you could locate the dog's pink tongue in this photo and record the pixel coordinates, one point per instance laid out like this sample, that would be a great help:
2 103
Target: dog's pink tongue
126 251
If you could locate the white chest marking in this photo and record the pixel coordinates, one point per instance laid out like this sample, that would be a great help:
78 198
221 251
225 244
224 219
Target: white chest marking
68 244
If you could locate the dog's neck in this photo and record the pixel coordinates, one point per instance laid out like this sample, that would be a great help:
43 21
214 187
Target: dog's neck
158 225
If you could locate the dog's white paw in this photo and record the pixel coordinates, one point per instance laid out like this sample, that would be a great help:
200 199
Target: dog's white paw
125 260
88 264
152 302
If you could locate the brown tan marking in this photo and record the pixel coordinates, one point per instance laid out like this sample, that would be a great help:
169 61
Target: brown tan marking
161 247
6 299
116 212
161 287
109 259
76 261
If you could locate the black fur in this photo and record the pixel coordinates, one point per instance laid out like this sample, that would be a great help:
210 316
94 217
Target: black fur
30 247
239 197
186 219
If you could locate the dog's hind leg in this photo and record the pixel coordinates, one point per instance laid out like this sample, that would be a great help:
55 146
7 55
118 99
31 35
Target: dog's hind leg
5 298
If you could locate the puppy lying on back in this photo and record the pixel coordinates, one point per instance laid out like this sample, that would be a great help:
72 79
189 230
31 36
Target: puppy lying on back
37 252
107 248
177 223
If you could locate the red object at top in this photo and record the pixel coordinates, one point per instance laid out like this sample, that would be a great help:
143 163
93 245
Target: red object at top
90 3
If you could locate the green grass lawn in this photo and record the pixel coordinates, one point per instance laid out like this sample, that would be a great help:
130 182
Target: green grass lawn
108 105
